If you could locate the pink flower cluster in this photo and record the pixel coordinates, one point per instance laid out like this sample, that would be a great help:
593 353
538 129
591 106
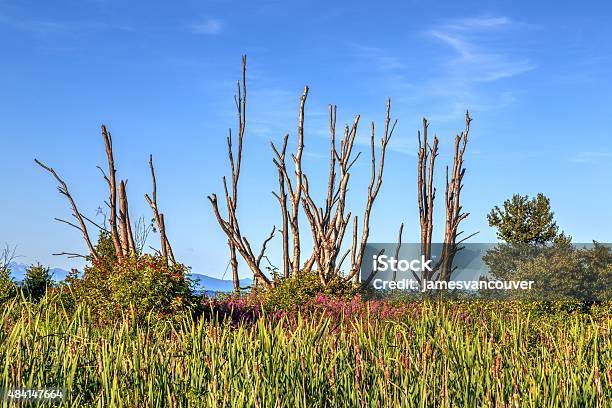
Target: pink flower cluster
236 310
245 310
356 307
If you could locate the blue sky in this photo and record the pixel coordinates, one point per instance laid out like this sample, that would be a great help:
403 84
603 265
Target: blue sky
534 75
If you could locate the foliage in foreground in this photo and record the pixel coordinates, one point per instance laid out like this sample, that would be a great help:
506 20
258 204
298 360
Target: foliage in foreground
427 355
141 285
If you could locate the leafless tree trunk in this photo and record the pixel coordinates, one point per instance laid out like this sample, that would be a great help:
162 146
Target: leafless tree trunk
398 248
454 214
235 168
124 225
426 191
281 196
294 194
236 241
374 187
112 185
166 248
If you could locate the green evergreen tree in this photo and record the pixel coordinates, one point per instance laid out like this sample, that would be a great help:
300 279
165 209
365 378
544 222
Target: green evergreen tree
524 221
36 282
534 249
105 248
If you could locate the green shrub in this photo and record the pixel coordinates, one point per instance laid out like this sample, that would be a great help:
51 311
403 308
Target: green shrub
139 284
148 284
36 282
296 290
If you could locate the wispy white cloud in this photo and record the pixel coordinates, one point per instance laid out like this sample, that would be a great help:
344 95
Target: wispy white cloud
466 60
208 26
478 55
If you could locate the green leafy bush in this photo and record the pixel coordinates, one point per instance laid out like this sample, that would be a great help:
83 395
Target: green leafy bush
296 290
139 284
147 283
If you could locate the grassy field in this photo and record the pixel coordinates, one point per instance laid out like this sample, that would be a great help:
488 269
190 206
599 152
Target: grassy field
434 356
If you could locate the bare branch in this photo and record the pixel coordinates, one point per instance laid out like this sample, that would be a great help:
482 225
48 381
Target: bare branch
63 188
282 200
70 255
166 249
397 249
112 185
264 245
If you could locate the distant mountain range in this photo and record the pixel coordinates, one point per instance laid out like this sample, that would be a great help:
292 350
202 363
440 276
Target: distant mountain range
201 282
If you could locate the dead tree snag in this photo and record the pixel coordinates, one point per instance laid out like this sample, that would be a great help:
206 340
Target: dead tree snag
166 249
454 214
426 191
230 226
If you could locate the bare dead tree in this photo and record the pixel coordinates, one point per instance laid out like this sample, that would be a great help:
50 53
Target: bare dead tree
426 191
112 186
166 248
328 223
232 204
63 189
373 189
454 214
292 265
236 241
281 196
297 193
294 193
120 228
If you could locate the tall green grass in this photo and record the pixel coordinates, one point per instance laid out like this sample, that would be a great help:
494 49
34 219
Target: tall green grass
436 359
